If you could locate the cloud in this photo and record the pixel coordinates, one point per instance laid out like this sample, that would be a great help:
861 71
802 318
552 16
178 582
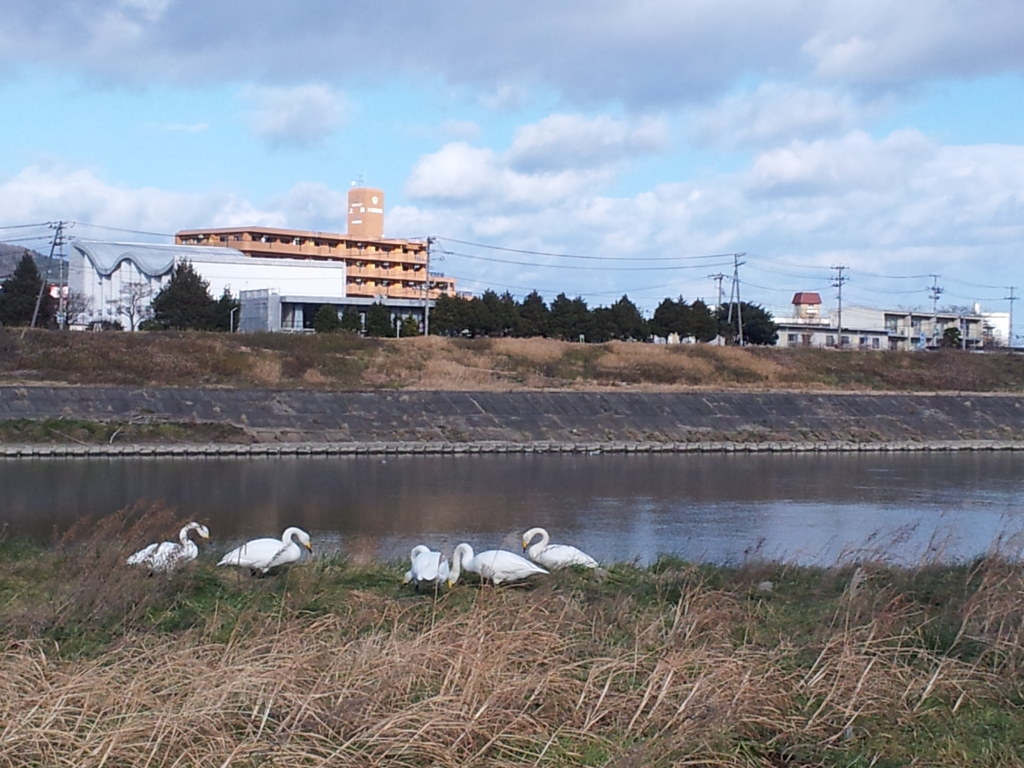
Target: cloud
780 112
549 161
877 42
298 116
655 52
575 141
50 193
854 163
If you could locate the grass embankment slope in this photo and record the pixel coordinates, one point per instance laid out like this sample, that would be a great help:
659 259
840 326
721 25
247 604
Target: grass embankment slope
347 362
337 664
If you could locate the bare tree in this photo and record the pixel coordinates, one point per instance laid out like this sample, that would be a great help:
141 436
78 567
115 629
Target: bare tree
71 307
133 303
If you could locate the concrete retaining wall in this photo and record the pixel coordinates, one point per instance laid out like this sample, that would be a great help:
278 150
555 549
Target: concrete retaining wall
317 421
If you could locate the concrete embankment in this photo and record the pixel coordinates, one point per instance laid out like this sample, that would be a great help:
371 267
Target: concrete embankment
304 421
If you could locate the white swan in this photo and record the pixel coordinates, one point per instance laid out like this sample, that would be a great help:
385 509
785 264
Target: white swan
496 565
263 554
429 568
554 555
167 555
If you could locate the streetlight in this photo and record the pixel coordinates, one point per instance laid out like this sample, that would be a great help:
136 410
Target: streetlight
231 319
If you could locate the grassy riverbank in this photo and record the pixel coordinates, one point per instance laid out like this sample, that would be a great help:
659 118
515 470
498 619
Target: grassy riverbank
337 664
347 362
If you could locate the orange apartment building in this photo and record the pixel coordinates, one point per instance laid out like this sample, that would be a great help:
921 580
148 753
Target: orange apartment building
375 267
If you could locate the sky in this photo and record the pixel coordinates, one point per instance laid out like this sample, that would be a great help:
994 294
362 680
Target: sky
653 148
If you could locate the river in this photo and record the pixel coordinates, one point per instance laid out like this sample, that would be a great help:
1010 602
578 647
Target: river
729 508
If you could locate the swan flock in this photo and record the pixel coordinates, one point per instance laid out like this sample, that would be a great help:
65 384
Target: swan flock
428 567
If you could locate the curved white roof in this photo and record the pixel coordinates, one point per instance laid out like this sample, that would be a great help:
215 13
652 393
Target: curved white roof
149 259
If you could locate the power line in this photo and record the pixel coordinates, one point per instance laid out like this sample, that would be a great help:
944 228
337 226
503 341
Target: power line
573 266
589 258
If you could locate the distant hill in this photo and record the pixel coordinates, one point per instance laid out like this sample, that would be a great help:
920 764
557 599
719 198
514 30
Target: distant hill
10 255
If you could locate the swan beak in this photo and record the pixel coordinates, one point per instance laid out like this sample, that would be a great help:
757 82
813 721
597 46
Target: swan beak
309 546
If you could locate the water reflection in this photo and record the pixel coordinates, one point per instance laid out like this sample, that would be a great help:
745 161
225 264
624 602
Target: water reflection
718 508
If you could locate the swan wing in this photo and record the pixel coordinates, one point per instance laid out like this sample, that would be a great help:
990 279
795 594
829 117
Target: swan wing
426 567
258 553
164 555
563 556
142 556
500 566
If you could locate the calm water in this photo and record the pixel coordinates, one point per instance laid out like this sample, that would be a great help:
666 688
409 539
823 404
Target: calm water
717 508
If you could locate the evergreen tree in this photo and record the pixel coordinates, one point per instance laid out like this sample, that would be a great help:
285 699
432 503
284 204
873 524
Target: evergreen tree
671 316
410 326
19 294
601 326
225 312
534 317
570 318
378 321
627 322
488 315
450 316
350 320
758 325
703 323
185 302
326 319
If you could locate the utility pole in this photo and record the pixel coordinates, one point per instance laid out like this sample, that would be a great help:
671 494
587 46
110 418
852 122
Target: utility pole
935 292
718 278
426 292
58 240
837 282
1011 298
734 295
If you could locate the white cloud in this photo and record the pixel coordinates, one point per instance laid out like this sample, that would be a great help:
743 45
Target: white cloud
852 164
568 141
465 175
314 206
299 116
78 194
780 112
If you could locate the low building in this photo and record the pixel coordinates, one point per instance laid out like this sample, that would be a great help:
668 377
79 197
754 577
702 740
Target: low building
877 329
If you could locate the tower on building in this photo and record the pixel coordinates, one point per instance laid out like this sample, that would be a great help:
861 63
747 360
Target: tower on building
366 213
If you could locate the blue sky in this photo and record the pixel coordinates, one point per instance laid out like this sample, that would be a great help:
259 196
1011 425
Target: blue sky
589 147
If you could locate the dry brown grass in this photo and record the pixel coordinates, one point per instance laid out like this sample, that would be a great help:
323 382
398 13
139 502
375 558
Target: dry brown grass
504 678
344 361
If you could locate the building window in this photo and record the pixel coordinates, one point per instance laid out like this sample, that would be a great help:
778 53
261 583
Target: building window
791 339
876 343
830 340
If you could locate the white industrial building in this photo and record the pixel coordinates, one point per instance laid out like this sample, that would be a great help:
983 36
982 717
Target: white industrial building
116 282
112 279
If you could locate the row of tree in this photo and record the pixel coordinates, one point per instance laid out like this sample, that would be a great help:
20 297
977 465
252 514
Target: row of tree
572 320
